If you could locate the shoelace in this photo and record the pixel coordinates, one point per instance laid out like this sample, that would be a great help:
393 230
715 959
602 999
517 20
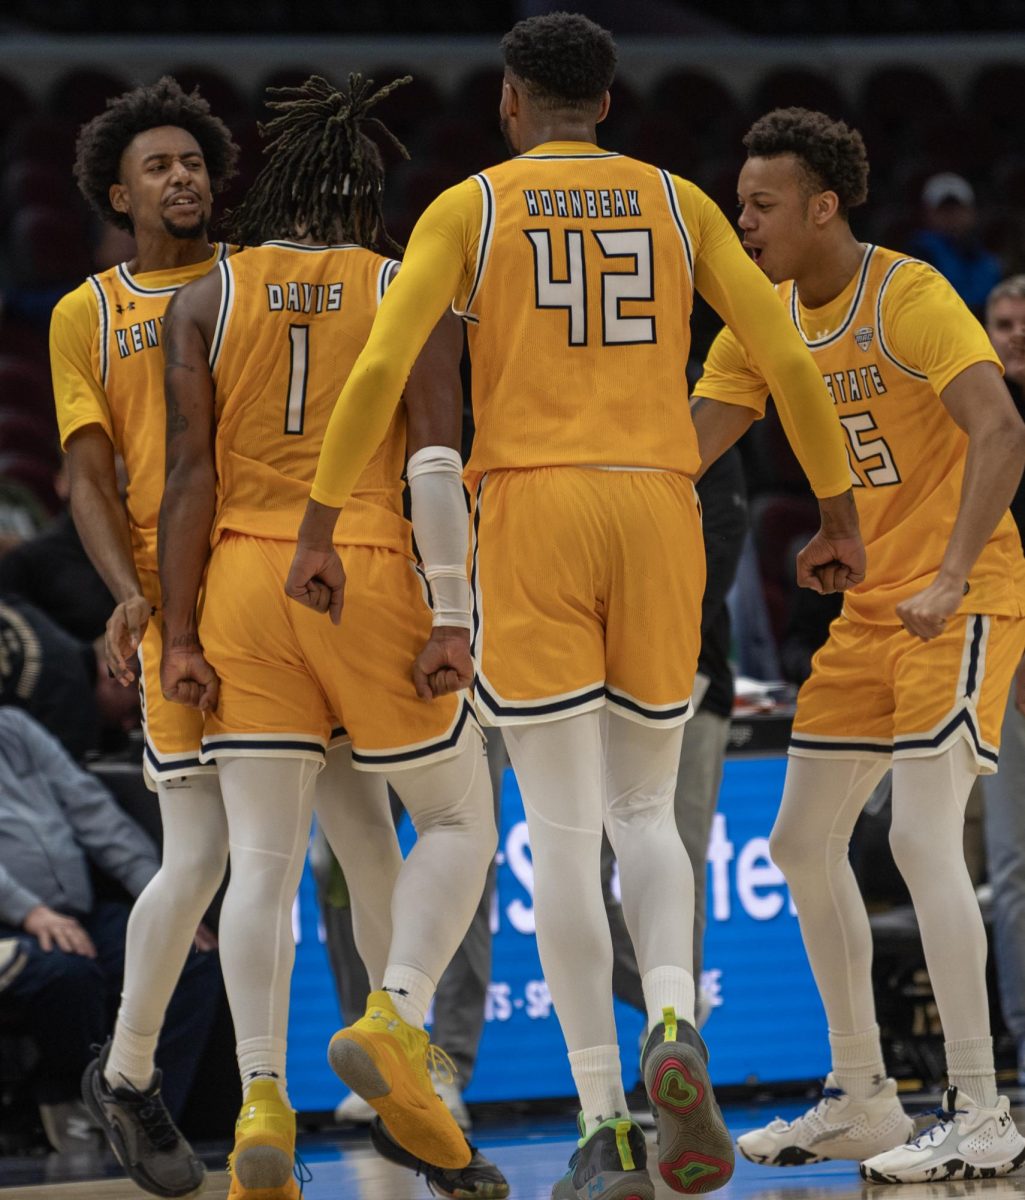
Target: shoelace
945 1117
828 1093
302 1173
440 1065
153 1117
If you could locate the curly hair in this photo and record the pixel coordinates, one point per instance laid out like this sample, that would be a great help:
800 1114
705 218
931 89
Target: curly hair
325 177
831 154
104 139
566 60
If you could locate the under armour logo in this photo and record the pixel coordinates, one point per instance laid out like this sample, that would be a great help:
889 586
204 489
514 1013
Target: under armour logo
123 308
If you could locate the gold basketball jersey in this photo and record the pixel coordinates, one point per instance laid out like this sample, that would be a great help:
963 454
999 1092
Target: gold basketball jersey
906 454
292 321
579 316
108 369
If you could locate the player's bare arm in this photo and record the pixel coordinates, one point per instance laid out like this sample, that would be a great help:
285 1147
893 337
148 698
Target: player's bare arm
980 404
187 508
434 417
718 426
102 523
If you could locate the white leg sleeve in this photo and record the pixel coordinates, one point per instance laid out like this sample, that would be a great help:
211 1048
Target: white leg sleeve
927 839
821 802
269 805
164 918
442 880
559 767
355 814
655 873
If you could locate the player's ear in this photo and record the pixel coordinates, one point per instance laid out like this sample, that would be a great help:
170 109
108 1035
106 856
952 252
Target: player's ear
510 105
824 206
119 198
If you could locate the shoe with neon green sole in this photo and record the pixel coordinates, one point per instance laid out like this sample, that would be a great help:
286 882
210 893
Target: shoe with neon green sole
263 1160
611 1162
387 1062
695 1150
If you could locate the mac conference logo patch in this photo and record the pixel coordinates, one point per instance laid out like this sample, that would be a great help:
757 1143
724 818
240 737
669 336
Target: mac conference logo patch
864 336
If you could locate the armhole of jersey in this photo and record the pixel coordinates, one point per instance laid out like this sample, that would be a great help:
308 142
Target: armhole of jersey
487 234
223 311
901 262
386 277
104 330
681 227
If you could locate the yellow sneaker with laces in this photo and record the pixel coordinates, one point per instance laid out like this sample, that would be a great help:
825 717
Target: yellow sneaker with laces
261 1164
388 1062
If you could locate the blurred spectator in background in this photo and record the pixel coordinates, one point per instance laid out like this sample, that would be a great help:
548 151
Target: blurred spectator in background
62 682
950 239
52 571
57 823
1005 806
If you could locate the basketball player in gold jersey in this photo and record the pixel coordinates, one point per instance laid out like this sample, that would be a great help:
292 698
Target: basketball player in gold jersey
916 669
149 164
575 269
255 351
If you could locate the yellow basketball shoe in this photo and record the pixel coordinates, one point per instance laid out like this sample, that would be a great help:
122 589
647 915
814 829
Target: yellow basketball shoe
387 1062
262 1162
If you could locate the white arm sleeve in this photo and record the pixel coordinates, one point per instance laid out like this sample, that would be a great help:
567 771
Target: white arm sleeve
441 526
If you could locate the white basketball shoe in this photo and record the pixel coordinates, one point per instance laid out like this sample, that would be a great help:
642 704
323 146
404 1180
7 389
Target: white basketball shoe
967 1142
837 1127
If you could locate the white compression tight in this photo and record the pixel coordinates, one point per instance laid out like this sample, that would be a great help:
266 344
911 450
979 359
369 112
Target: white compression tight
441 881
575 775
354 812
164 919
821 802
269 807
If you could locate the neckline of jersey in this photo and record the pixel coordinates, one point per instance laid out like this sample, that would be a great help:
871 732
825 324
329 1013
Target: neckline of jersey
281 243
847 301
568 150
201 268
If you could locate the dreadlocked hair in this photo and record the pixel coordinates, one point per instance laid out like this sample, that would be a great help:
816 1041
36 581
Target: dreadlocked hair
325 177
104 139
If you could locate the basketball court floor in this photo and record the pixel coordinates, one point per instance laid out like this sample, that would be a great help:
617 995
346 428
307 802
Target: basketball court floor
532 1152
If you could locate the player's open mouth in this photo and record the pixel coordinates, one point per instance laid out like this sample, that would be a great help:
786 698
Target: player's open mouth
754 251
184 200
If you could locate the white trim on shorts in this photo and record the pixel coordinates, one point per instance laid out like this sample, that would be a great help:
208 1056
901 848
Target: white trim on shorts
961 720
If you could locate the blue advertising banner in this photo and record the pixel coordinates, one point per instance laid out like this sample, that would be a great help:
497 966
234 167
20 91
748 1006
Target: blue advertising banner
767 1023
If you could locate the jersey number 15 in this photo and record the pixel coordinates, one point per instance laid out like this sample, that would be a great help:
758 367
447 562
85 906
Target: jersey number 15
570 293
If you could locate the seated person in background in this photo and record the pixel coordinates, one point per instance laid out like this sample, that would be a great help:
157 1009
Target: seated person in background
56 822
1005 813
950 242
52 571
62 682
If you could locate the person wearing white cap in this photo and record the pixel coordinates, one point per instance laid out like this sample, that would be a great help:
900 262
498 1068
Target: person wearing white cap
949 239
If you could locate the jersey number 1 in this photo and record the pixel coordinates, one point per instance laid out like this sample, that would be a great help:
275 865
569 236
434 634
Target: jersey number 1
298 369
616 286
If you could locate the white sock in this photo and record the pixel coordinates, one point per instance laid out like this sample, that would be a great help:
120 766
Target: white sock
131 1057
970 1069
263 1058
411 992
858 1062
668 987
599 1083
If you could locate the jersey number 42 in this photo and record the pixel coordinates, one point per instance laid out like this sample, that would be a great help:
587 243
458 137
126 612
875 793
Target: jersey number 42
570 293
